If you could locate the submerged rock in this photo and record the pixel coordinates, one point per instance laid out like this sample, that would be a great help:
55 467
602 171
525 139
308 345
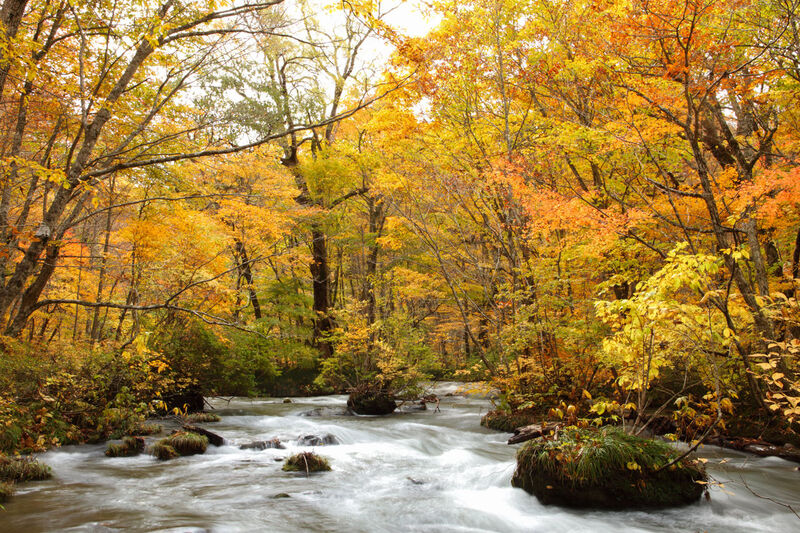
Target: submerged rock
606 469
263 445
280 495
314 440
287 400
327 411
306 462
371 400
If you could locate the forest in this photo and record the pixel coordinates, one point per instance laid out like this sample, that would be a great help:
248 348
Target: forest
589 209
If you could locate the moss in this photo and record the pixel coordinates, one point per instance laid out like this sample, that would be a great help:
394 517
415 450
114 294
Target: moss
202 417
606 468
164 452
186 443
23 469
6 491
130 447
306 462
508 421
146 429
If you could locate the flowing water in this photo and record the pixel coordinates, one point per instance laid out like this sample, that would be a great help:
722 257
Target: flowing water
410 472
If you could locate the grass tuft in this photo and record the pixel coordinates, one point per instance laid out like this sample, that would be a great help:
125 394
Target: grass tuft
23 469
306 462
164 452
606 468
130 447
186 443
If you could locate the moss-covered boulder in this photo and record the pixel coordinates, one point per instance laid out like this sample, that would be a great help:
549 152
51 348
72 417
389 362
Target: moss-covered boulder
129 447
371 399
202 417
508 421
608 469
18 469
164 452
180 443
306 462
186 443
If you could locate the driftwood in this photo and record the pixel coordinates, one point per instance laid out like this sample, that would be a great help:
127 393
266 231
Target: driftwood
533 431
213 438
757 447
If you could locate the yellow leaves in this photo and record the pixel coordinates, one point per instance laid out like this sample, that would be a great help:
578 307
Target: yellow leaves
633 465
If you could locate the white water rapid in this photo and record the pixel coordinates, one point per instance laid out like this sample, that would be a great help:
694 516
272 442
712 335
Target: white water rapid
410 472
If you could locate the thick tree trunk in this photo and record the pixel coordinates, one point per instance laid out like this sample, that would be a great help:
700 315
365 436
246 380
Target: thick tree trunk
320 275
246 273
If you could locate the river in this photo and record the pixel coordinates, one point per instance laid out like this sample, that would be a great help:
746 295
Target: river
411 472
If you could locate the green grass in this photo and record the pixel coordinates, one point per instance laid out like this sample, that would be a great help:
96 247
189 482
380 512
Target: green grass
164 452
306 462
186 443
23 469
606 468
130 446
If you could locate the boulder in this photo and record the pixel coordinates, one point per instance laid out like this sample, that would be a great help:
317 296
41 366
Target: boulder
328 411
263 445
314 440
606 469
534 431
371 400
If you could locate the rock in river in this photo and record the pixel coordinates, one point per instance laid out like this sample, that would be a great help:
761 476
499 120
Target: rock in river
606 469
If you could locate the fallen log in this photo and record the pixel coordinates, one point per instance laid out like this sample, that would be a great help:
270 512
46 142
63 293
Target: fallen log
213 438
533 431
757 447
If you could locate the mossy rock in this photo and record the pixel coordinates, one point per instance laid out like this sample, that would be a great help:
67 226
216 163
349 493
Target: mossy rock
508 421
371 400
306 462
607 469
186 443
129 447
6 491
23 469
164 452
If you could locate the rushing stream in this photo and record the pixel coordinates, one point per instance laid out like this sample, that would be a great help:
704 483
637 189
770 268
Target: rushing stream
415 472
